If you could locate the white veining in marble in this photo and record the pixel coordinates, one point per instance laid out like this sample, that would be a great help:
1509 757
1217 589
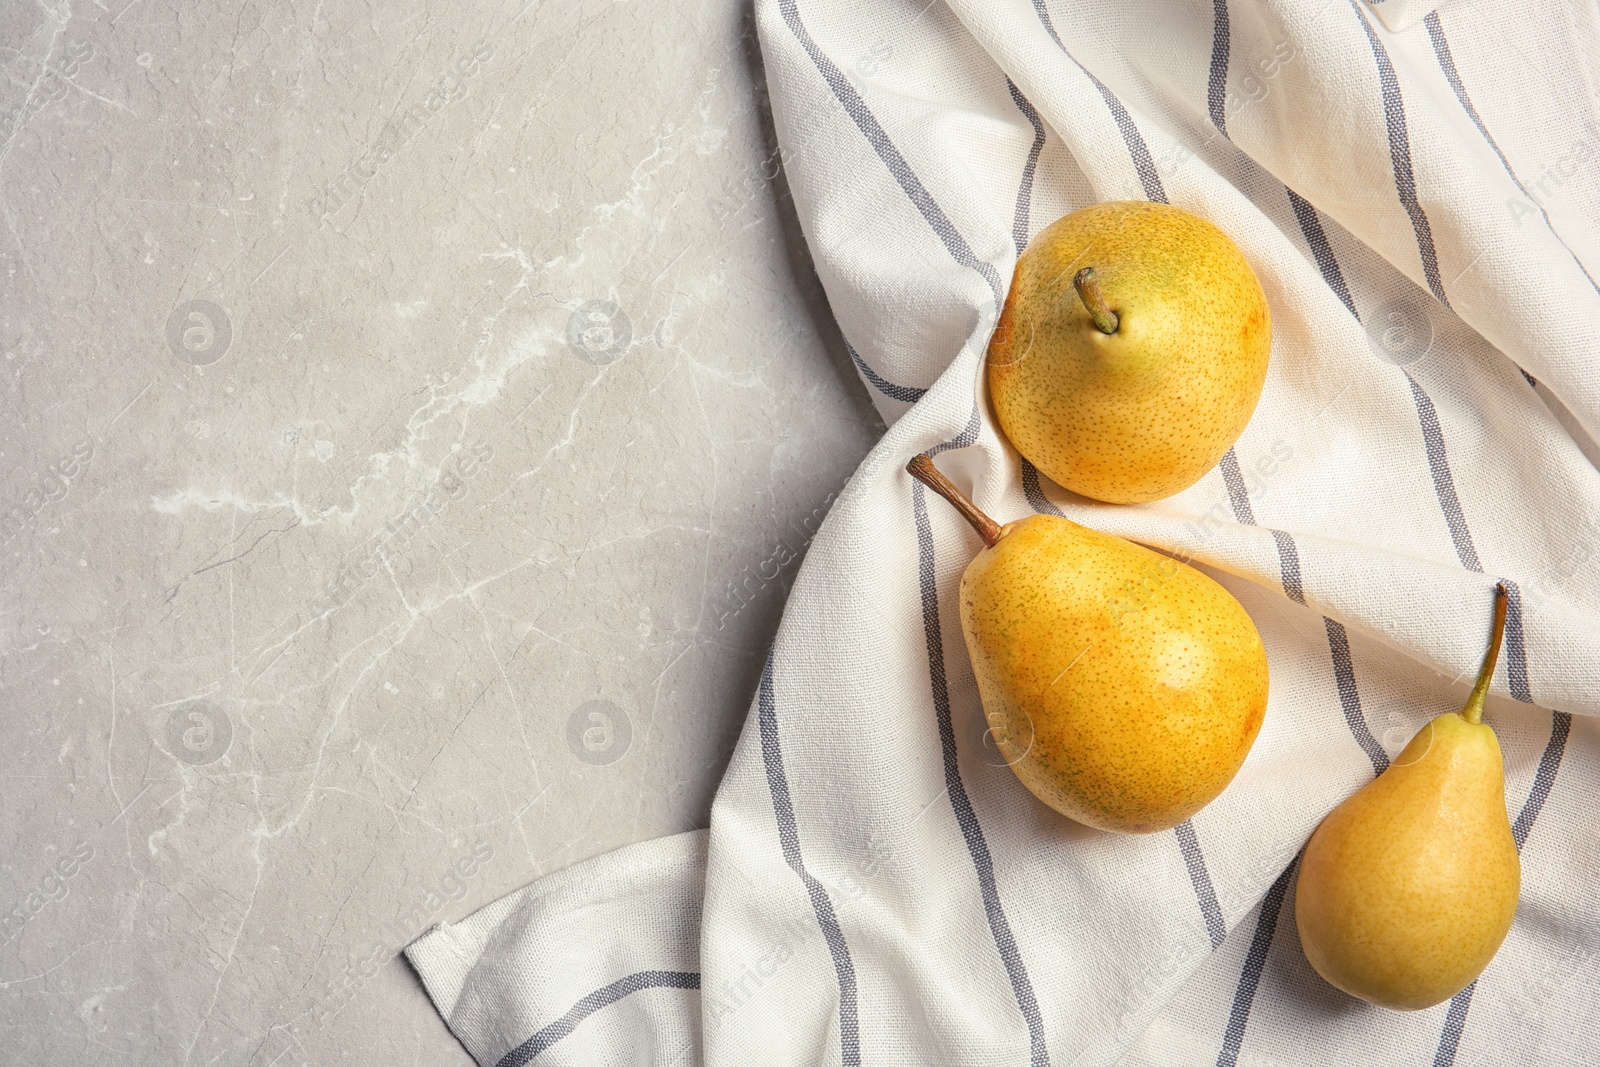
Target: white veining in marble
413 420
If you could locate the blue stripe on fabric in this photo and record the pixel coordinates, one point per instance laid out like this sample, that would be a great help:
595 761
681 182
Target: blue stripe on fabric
789 838
1454 1020
906 394
1305 214
1238 495
1035 495
1344 672
1344 676
965 439
1544 779
960 802
1255 962
966 817
1438 463
873 131
1200 878
1289 573
1516 645
1394 115
962 253
1194 859
1447 64
1138 150
1444 489
1438 459
1217 82
1338 640
1289 566
1321 249
1019 220
600 998
1444 483
1288 552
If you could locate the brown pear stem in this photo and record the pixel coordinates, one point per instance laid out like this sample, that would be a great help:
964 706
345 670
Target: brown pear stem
1087 282
922 469
1473 712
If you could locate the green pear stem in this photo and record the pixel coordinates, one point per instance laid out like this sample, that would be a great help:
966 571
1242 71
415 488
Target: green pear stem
1473 712
922 469
1087 282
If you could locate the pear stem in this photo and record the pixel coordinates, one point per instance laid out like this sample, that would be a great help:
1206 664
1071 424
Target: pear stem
1087 282
922 469
1473 712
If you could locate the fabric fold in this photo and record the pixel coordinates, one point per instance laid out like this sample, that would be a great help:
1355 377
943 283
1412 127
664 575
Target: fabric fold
591 963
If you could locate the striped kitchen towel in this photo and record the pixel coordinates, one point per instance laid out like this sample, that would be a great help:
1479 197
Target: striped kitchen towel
1419 196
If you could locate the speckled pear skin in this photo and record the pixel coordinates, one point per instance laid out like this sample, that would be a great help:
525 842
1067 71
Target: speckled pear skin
1408 888
1145 412
1124 688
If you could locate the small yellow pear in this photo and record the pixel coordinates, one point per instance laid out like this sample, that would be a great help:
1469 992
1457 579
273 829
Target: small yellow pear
1125 688
1408 888
1131 388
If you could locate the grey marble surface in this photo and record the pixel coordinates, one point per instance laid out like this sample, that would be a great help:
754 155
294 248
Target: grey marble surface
410 415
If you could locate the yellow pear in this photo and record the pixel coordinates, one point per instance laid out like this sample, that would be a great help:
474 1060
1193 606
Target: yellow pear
1408 888
1124 687
1131 388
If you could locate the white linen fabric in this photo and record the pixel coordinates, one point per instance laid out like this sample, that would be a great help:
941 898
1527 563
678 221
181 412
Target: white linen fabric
1418 195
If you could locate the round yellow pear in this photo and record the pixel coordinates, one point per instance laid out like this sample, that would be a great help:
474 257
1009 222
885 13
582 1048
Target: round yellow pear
1408 888
1123 687
1131 350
